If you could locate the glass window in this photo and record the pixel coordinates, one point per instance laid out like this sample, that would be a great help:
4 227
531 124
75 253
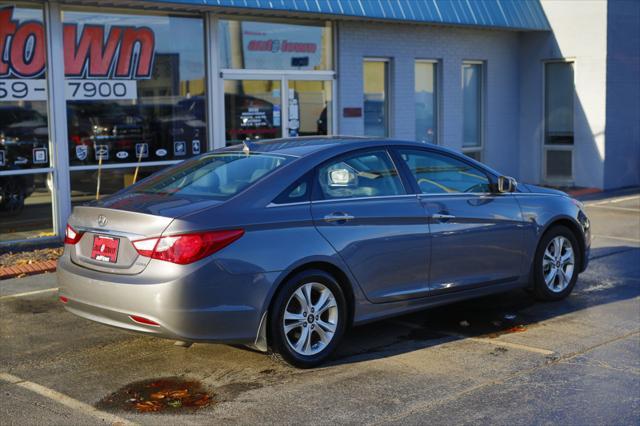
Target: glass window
252 110
472 105
297 192
559 164
218 176
25 197
370 174
441 174
426 101
376 109
25 206
559 103
24 132
275 46
135 87
309 107
89 185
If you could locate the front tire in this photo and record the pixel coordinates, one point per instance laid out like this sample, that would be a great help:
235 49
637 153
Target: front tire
556 264
308 319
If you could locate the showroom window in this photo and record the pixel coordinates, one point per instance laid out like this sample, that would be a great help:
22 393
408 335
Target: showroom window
376 98
260 45
135 92
472 109
26 175
277 79
558 121
426 101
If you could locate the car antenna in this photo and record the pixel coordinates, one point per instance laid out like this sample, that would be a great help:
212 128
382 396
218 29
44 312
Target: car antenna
247 147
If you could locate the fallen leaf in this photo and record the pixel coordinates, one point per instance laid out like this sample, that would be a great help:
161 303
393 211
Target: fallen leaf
148 406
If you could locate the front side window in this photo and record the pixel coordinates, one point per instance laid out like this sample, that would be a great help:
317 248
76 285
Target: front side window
441 174
135 87
426 101
216 176
376 107
370 174
472 114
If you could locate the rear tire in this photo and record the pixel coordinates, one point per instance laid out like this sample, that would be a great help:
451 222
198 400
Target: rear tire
307 319
556 264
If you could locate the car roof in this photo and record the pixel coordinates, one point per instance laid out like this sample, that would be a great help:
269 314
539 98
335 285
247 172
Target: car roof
305 145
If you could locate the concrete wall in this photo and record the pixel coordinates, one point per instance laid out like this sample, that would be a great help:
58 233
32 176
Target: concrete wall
403 44
622 153
579 33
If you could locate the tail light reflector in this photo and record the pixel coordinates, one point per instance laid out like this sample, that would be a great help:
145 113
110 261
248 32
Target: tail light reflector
71 236
186 248
63 299
143 320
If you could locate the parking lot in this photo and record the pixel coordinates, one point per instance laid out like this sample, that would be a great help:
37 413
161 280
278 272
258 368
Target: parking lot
501 359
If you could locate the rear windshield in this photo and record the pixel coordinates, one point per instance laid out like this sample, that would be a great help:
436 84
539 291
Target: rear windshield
217 176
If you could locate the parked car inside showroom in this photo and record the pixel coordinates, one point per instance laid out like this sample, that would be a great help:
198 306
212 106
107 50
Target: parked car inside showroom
284 244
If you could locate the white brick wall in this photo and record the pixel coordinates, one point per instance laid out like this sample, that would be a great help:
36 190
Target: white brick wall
403 44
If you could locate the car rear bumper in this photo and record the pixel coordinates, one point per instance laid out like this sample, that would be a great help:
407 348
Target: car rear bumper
198 303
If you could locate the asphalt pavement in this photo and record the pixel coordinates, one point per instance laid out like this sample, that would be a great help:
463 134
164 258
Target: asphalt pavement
503 359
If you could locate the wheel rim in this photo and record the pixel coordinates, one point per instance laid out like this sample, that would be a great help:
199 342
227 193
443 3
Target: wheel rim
310 318
558 264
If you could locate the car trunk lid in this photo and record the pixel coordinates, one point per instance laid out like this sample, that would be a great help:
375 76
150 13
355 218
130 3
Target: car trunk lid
107 243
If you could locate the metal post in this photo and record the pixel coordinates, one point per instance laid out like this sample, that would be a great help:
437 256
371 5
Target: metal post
215 96
57 111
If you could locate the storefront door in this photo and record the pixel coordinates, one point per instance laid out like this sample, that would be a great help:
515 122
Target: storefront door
256 107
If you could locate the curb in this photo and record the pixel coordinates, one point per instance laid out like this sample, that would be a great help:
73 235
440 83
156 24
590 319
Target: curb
30 269
583 191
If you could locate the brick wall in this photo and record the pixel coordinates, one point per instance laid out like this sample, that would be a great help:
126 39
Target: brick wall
403 44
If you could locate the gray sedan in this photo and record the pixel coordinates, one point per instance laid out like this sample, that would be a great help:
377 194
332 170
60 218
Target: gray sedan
284 244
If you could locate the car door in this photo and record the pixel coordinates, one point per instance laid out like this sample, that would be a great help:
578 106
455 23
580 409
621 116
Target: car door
476 235
362 208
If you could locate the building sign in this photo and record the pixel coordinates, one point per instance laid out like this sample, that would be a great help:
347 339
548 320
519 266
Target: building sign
281 46
113 56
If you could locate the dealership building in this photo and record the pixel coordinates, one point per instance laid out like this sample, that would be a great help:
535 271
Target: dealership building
97 95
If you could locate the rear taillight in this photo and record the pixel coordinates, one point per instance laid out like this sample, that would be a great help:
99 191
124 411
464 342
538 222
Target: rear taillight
186 248
71 236
143 320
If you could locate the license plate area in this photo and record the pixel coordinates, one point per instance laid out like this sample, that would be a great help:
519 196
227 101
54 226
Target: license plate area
105 249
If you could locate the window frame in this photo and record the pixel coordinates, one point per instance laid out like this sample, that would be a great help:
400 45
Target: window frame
462 158
482 104
437 92
317 195
544 147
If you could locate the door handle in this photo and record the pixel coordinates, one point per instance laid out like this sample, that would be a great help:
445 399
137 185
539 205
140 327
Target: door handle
442 217
338 217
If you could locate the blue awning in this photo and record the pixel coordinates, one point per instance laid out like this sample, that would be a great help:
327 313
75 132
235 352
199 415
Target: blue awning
508 14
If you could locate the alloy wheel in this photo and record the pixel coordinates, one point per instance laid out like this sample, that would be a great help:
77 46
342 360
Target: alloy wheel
310 318
558 264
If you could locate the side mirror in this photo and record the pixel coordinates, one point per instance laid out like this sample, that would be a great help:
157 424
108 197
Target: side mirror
506 184
342 177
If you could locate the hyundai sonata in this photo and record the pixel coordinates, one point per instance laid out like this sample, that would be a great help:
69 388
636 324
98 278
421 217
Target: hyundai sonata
284 244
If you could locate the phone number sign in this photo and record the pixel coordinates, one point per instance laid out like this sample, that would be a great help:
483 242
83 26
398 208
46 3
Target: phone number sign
36 90
100 89
23 90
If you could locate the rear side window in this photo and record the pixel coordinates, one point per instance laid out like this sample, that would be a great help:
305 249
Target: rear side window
368 174
298 192
217 176
441 174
